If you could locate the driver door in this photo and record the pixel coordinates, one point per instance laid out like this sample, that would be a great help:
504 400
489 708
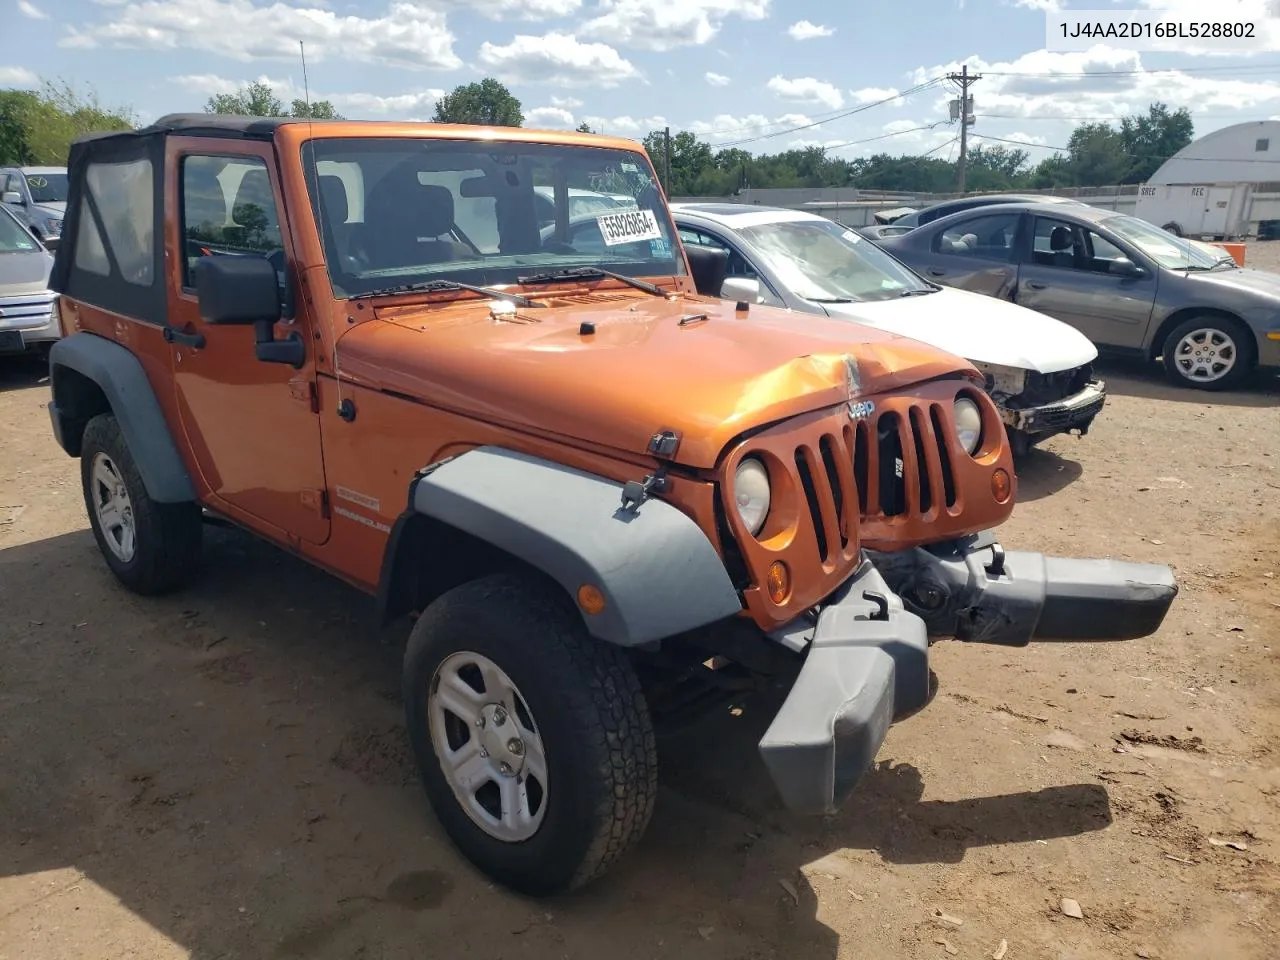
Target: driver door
253 427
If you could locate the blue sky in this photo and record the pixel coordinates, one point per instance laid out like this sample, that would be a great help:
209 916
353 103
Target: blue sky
730 70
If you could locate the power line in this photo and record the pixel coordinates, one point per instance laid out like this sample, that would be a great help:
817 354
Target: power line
885 136
1196 116
841 116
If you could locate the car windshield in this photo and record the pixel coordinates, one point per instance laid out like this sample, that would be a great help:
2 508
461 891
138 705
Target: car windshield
823 261
394 212
1160 245
13 239
47 187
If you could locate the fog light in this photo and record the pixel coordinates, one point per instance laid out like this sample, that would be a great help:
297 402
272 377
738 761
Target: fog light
779 582
1001 485
590 599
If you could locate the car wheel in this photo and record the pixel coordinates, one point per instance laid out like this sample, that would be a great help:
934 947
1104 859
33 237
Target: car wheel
151 547
533 739
1173 228
1208 352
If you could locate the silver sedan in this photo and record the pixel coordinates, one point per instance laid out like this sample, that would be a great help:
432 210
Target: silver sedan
28 308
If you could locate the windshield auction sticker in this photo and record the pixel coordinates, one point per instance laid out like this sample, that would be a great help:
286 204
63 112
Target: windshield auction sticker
630 227
1205 31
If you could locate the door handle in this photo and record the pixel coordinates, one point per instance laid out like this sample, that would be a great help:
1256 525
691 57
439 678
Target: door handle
193 340
935 272
1036 286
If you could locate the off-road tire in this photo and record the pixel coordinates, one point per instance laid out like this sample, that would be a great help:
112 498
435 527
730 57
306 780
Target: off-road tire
1246 351
586 701
168 536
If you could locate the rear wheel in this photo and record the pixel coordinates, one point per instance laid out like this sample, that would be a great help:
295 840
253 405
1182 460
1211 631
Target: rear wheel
151 547
1173 228
533 739
1209 352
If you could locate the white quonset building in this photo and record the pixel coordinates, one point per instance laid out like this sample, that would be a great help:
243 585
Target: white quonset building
1222 186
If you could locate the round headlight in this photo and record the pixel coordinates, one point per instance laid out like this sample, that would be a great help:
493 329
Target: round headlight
968 425
751 494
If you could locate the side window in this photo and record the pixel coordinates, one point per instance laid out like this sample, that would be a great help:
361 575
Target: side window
125 197
228 207
988 237
1057 243
13 183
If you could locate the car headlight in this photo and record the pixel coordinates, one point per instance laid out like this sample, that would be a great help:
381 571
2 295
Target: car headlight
968 425
751 494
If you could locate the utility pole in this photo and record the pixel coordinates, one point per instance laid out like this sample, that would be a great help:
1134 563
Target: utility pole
965 113
666 153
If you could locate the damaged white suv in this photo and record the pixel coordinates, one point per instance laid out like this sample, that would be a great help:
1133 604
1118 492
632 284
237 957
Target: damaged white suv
1039 370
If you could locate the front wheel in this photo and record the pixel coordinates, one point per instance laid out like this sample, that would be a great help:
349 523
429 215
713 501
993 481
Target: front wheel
1208 353
533 739
151 547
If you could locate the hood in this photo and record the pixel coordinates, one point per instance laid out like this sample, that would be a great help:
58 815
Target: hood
24 273
1242 278
54 208
978 328
639 373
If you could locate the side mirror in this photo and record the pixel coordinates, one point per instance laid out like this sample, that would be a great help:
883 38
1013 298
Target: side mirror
740 288
243 291
1126 268
11 196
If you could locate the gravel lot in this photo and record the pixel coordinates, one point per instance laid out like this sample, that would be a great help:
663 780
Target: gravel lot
224 773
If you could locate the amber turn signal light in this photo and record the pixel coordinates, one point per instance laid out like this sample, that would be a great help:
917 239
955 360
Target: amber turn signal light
591 599
779 582
1001 485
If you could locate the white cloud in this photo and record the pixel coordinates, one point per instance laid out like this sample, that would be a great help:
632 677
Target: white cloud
1048 6
408 34
516 9
717 79
804 30
29 9
18 77
664 24
566 103
552 117
725 127
351 104
900 126
556 58
873 94
807 90
626 126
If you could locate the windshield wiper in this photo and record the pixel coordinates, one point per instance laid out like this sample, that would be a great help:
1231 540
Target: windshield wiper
439 286
579 273
831 299
918 293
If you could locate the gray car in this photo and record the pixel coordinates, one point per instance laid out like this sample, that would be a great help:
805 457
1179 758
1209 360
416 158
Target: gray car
28 308
1129 286
38 196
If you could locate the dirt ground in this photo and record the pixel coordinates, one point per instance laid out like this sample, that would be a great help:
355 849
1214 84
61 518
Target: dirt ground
224 774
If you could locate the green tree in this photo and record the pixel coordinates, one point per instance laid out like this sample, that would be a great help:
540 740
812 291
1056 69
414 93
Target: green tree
488 103
1152 138
1097 155
584 127
258 99
37 127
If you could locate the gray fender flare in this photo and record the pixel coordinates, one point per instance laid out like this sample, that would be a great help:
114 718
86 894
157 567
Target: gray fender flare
659 573
123 381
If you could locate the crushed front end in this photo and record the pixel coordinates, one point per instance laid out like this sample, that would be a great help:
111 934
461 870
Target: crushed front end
1035 406
875 539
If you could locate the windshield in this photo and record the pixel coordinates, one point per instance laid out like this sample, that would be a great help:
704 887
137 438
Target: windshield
821 260
47 187
13 239
401 211
1160 245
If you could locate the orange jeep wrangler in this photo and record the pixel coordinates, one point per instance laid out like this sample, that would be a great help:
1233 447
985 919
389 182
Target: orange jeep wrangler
466 370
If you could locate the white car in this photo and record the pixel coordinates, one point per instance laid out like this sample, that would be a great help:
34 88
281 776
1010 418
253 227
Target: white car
1039 370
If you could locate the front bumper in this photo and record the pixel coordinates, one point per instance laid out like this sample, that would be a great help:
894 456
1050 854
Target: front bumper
26 321
1075 412
867 651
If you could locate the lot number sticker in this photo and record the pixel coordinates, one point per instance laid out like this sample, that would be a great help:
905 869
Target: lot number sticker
628 227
